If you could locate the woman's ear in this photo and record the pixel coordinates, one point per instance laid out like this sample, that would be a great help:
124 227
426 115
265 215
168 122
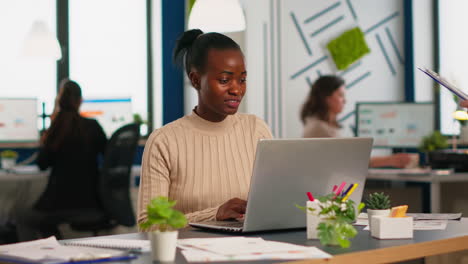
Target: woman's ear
195 79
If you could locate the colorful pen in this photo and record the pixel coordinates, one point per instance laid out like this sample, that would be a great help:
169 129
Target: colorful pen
311 197
350 192
334 188
340 188
347 190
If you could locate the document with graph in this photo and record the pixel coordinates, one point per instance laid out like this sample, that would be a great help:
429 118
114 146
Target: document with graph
442 81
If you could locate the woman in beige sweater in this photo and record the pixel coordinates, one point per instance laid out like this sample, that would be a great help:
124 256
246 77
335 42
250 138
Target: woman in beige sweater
204 160
319 115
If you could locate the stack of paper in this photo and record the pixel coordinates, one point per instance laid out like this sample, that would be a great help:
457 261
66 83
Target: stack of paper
49 251
244 248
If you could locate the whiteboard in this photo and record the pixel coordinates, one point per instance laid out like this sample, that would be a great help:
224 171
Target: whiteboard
395 124
111 113
18 119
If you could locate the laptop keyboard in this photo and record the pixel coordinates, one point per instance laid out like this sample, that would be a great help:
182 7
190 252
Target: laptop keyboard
225 223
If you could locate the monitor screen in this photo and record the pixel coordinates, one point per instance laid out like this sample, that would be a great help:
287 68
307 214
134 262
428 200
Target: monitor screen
111 113
18 120
398 125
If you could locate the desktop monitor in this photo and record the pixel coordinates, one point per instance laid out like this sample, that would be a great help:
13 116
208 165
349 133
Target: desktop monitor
111 113
18 120
393 124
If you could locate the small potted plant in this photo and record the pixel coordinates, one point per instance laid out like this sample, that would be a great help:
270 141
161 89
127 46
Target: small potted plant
8 158
431 143
377 204
336 214
163 221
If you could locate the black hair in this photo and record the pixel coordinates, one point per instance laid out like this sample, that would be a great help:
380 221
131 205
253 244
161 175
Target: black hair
316 103
193 45
67 123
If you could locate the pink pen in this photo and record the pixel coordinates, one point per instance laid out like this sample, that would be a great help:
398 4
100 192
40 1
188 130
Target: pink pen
340 188
334 188
311 197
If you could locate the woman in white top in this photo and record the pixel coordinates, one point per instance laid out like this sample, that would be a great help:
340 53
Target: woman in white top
319 115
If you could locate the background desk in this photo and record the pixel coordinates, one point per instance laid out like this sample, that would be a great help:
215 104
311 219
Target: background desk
19 190
424 243
433 199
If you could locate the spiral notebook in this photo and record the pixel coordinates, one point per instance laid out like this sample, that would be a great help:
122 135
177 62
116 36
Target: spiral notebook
113 243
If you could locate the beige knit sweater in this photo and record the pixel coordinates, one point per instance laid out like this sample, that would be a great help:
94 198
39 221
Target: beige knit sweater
199 163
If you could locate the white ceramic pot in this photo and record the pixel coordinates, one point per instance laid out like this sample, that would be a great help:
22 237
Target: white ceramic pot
373 212
163 245
8 163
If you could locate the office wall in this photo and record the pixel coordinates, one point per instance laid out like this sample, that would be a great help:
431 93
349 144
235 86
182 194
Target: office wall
276 53
285 47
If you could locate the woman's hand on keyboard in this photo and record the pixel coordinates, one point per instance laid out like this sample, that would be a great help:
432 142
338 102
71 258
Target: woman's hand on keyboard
232 209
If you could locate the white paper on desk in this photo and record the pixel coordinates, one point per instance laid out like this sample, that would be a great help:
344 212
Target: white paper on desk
49 251
238 245
430 225
426 225
456 216
193 255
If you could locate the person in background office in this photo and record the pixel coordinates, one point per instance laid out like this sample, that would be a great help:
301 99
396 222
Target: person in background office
319 115
204 160
70 147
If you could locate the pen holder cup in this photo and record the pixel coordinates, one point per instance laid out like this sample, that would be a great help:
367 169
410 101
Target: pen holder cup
385 227
313 219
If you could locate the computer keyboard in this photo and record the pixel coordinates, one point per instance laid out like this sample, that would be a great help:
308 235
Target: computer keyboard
225 223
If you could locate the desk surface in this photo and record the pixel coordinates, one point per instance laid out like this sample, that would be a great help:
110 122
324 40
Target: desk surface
424 243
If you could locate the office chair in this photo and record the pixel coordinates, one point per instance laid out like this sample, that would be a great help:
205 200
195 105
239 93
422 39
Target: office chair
114 185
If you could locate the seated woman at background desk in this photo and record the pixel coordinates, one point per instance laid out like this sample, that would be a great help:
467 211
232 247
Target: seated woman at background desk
319 115
204 160
70 147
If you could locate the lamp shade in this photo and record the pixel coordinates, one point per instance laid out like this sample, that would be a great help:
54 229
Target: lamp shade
460 115
40 42
217 16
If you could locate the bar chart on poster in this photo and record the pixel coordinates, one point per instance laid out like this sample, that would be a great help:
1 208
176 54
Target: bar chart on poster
18 120
395 124
111 113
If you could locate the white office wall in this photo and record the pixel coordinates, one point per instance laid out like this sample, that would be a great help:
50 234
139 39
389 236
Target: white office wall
423 43
280 67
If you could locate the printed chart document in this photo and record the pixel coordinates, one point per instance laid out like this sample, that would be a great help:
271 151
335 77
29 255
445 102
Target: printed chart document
50 251
456 216
244 248
426 225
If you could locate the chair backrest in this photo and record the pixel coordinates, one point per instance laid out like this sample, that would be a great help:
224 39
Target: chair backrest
114 180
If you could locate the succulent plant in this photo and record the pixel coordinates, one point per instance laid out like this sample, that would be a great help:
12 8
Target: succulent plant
378 201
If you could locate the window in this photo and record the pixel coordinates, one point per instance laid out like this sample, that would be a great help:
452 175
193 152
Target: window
453 57
108 50
22 76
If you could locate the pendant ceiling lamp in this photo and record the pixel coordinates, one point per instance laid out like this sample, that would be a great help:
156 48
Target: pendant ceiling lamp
40 42
217 16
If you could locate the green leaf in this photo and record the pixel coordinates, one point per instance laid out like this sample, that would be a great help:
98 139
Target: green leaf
161 214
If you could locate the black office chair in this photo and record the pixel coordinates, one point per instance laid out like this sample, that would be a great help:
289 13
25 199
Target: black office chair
114 185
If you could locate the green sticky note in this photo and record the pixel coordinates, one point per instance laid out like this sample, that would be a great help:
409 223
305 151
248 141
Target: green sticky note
348 48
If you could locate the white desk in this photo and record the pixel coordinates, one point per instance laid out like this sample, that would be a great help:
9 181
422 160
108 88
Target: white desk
19 190
432 179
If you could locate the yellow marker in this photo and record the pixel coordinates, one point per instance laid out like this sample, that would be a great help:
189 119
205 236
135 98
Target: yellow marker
350 192
399 211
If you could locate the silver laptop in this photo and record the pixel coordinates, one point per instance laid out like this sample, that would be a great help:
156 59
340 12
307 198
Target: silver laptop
286 169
